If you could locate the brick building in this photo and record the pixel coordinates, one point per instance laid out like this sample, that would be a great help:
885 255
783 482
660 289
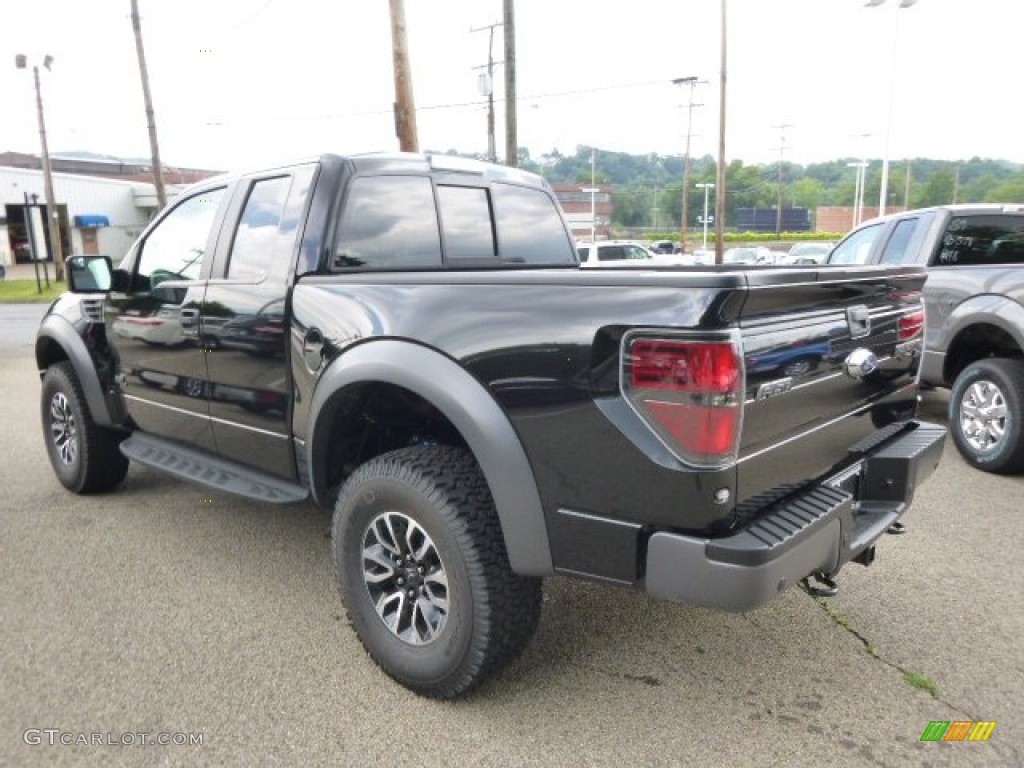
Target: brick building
577 205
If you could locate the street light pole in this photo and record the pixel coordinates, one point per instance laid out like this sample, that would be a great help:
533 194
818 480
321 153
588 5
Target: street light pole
704 218
720 190
593 212
884 188
53 219
692 82
858 190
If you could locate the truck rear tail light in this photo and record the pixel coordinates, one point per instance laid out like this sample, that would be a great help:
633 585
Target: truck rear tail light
689 392
911 325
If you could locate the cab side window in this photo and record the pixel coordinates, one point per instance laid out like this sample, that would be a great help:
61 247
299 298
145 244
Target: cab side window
176 247
897 250
389 222
856 249
253 248
530 227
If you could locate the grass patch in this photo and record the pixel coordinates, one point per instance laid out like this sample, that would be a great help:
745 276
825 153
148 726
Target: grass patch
26 292
921 682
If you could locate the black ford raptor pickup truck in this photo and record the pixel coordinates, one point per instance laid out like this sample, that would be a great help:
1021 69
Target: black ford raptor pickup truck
408 340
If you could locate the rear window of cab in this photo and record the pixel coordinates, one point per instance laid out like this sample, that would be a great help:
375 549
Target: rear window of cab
409 222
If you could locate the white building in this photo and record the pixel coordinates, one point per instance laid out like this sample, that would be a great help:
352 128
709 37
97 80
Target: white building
98 215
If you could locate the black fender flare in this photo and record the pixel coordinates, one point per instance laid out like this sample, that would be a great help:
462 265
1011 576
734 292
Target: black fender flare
59 331
470 407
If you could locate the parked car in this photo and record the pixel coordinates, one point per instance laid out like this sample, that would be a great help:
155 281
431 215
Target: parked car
665 247
753 255
611 253
974 301
809 253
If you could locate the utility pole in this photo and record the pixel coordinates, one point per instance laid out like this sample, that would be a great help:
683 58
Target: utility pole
906 189
154 147
782 148
720 188
405 105
511 137
956 183
684 219
492 152
52 215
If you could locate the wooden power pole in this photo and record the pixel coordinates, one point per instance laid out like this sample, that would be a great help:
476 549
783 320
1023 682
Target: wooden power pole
511 139
405 105
154 147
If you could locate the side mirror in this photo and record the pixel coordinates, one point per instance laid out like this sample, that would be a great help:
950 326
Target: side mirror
89 274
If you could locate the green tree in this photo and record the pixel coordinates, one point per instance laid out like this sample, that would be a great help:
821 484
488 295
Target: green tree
1009 191
937 190
806 193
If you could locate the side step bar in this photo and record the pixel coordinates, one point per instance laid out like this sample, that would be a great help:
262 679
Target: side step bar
214 472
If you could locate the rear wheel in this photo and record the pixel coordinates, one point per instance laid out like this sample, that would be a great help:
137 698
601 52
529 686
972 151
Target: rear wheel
85 457
424 573
986 408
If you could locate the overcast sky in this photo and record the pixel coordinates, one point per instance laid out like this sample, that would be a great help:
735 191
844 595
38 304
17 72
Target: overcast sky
240 83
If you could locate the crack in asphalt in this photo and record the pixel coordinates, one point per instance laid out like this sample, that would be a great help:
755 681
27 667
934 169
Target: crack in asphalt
1009 753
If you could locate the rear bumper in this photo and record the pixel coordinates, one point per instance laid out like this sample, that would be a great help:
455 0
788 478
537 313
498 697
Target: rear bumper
815 532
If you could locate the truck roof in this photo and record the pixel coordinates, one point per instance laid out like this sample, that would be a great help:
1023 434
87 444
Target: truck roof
399 162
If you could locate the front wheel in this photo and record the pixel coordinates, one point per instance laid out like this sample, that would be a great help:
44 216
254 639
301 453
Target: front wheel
424 573
85 457
986 412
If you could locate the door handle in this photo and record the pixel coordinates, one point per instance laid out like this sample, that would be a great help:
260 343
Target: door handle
190 322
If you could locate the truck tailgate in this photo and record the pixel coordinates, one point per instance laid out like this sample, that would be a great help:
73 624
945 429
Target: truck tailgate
828 362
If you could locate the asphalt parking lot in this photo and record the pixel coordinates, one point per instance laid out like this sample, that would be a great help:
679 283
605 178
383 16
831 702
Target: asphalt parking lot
165 609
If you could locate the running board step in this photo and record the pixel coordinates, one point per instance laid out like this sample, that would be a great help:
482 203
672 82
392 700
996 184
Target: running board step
212 471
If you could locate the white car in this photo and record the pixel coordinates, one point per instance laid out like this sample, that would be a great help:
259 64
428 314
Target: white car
809 253
615 253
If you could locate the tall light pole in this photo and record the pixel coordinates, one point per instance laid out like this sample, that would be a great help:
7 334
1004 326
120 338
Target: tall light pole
704 218
593 211
782 149
884 190
720 191
593 190
692 82
21 62
858 190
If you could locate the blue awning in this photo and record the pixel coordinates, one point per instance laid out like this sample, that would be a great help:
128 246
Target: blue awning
92 220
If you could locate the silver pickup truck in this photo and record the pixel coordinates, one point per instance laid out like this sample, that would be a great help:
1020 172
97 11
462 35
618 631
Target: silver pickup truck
974 302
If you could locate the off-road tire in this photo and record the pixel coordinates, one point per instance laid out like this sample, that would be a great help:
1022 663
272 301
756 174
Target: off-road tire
440 494
986 415
85 457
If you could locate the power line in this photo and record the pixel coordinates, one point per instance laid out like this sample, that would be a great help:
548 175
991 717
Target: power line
452 105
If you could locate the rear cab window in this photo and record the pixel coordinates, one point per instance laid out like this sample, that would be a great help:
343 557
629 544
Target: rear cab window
415 222
989 239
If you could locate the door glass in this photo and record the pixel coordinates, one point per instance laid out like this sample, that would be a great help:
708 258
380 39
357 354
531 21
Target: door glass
856 248
253 248
175 249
